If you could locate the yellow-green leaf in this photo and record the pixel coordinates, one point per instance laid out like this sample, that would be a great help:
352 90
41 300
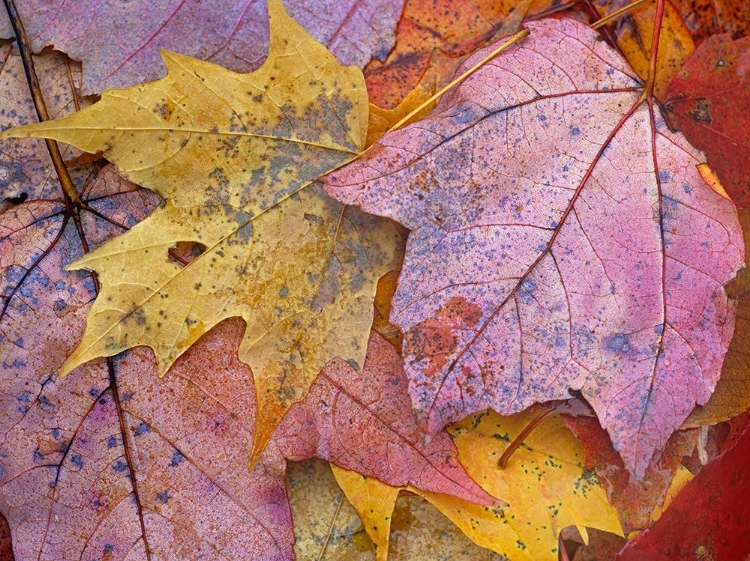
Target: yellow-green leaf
235 158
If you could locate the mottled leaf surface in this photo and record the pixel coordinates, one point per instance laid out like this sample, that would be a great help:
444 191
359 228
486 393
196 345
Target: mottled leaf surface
437 31
708 519
633 33
364 422
545 484
25 168
234 156
561 238
633 498
706 101
732 394
709 17
107 462
119 44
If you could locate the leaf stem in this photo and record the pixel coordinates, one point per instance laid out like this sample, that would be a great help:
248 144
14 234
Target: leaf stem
69 191
523 33
648 89
518 440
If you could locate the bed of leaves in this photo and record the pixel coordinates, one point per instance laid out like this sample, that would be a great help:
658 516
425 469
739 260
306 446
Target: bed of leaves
406 279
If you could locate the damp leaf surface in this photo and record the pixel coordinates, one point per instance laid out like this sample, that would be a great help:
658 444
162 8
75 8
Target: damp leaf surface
235 158
562 238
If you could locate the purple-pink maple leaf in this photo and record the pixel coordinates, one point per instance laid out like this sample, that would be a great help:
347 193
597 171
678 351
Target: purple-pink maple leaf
562 238
119 42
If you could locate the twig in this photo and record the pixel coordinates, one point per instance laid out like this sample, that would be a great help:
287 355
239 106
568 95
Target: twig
69 191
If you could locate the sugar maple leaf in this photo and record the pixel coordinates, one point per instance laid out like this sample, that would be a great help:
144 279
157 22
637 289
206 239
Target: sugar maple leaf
365 423
561 238
234 157
120 47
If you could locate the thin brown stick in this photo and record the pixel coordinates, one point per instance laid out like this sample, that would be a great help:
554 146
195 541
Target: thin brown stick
69 191
518 440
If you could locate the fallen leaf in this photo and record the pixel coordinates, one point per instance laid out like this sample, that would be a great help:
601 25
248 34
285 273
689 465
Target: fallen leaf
544 483
383 297
6 543
706 102
325 524
681 477
633 498
709 17
421 533
383 120
720 532
364 422
584 252
120 46
440 31
234 156
327 527
89 463
634 33
25 169
732 394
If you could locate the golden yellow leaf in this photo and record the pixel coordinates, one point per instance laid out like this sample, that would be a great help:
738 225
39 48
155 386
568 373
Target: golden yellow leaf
544 483
236 156
374 501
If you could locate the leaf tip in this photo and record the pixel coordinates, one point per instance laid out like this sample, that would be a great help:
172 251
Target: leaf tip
710 177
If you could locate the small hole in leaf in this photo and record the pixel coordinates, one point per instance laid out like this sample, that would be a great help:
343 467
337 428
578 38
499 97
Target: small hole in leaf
18 199
183 253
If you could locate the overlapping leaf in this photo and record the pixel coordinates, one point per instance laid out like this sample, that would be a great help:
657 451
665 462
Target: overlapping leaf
709 519
234 156
545 484
633 498
562 238
705 102
732 394
119 45
441 31
365 423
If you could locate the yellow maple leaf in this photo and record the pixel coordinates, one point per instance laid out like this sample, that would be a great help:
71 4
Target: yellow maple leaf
544 484
235 157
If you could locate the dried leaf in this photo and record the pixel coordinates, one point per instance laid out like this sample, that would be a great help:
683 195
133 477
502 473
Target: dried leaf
120 46
732 394
561 238
633 498
441 31
706 101
720 532
25 168
634 33
111 461
545 484
709 17
233 155
364 422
